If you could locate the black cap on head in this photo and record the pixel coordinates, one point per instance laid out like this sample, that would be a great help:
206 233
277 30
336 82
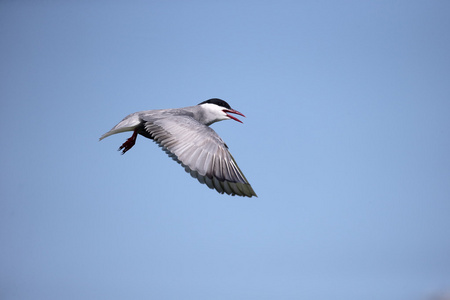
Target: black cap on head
217 101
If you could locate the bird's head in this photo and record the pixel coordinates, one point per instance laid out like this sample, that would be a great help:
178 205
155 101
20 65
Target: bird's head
218 110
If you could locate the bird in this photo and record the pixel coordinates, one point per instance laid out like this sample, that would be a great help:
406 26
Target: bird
184 134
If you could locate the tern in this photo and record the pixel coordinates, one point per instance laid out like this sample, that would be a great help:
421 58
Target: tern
184 134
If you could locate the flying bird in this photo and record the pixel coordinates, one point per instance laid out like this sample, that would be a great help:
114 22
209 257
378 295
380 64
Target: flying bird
184 134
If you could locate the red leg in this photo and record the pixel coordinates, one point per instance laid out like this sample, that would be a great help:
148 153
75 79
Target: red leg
129 143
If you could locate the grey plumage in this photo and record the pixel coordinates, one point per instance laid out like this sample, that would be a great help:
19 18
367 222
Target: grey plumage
184 134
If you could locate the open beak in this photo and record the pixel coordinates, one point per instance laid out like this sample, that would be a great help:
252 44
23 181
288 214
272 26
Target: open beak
232 111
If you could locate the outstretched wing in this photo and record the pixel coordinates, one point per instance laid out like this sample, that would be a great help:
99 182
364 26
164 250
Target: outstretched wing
200 151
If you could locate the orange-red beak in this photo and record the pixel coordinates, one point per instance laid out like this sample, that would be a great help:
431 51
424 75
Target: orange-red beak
232 111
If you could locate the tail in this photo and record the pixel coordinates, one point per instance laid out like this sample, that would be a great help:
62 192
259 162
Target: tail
129 123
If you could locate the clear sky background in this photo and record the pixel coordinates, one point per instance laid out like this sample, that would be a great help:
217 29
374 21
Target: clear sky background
346 142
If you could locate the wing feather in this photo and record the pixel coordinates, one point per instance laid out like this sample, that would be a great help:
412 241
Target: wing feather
200 151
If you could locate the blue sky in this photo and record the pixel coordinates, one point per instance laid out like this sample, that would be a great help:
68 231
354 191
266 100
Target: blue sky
346 142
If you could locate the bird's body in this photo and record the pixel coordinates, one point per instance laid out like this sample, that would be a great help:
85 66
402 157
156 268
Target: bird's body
184 134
